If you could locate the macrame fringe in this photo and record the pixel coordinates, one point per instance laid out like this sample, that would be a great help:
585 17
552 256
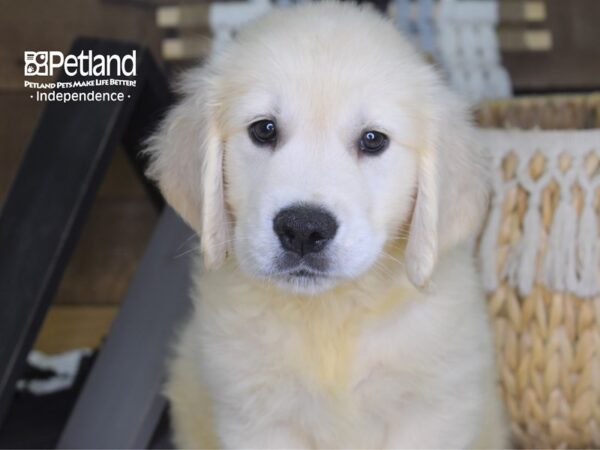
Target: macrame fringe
526 254
567 259
559 262
588 260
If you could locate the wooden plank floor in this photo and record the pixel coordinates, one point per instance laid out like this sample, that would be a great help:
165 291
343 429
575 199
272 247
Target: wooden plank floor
74 326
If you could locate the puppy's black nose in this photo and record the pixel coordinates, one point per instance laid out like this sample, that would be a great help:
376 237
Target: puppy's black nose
304 229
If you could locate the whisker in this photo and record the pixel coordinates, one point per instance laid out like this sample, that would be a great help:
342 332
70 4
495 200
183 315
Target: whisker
193 235
393 258
228 241
197 248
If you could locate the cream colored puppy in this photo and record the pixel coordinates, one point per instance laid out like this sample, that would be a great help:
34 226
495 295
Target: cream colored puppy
332 178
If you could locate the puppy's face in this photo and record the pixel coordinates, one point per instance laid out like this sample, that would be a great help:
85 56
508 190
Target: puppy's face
312 141
320 171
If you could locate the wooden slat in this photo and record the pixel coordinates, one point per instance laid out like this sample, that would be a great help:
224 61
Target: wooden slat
522 10
176 49
182 16
14 134
122 400
525 40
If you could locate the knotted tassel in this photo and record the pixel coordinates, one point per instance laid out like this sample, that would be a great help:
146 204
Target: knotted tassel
526 266
560 261
587 251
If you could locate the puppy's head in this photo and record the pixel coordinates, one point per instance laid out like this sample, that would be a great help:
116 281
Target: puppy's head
313 140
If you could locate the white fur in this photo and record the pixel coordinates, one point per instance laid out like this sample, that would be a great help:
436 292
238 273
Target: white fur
360 357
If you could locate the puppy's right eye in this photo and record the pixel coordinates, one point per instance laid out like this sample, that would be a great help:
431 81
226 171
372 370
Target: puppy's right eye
373 142
263 132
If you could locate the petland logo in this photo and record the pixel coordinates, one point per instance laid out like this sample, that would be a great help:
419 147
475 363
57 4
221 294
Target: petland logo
85 64
96 78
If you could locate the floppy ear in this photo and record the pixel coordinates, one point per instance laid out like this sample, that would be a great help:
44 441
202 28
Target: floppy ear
186 159
452 189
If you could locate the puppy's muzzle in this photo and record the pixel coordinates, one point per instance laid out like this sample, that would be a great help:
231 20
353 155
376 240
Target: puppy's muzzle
304 229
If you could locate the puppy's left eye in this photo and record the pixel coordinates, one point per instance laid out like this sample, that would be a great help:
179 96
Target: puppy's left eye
263 132
373 142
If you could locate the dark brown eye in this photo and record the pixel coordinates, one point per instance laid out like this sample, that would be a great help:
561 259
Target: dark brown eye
373 142
263 132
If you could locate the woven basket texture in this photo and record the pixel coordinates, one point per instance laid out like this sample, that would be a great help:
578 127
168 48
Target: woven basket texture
547 340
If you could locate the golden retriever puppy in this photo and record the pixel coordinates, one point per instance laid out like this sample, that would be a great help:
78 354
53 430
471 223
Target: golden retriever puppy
333 179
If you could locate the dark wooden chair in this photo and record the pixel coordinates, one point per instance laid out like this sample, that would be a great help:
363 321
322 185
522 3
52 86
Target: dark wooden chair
40 222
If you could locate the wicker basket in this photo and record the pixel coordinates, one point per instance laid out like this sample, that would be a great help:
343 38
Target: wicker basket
555 112
547 325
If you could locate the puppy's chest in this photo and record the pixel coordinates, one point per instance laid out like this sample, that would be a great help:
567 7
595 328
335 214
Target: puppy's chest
347 362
